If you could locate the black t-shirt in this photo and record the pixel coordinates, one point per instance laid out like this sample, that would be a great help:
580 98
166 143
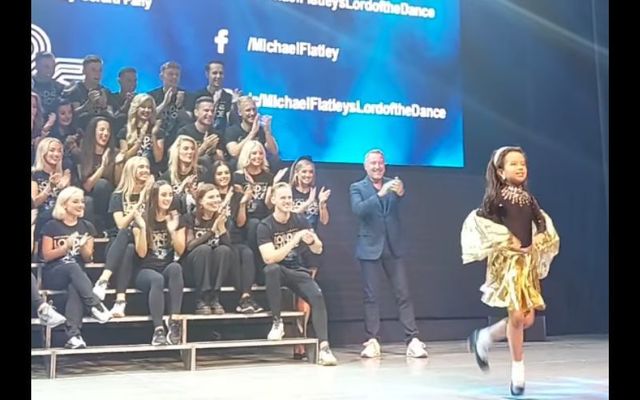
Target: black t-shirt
201 227
59 232
201 176
182 201
116 101
49 93
41 178
78 93
146 147
235 133
173 117
312 213
160 252
237 234
107 173
257 208
191 131
223 108
271 231
118 202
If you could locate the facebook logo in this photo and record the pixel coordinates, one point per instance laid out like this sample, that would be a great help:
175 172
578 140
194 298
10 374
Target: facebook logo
221 39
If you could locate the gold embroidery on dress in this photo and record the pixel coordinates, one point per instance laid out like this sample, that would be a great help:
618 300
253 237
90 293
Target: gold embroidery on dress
516 195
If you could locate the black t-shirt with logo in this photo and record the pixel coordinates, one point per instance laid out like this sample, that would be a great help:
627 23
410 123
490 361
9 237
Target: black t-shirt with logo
272 231
49 93
201 227
59 232
183 201
312 213
119 202
191 131
146 147
160 252
235 133
257 208
41 178
173 117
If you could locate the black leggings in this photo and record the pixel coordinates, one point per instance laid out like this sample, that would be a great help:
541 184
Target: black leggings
244 268
153 281
120 259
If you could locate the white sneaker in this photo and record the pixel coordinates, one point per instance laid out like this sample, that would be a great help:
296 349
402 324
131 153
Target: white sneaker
371 349
101 313
117 311
75 342
49 316
326 357
100 289
417 349
277 330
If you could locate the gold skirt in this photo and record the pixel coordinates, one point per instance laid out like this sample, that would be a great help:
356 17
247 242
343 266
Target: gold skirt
512 281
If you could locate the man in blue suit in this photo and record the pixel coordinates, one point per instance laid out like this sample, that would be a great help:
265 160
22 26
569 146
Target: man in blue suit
375 200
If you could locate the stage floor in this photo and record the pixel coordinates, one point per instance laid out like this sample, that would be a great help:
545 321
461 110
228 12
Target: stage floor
567 367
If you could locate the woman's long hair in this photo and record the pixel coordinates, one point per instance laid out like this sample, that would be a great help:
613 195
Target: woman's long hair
152 209
89 148
133 132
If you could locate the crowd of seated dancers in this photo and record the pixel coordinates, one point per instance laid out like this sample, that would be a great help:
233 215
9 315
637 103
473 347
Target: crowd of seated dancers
187 187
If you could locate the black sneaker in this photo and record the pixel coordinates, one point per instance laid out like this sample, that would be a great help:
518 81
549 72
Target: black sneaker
244 306
516 390
256 307
159 338
175 333
216 307
472 343
300 356
202 308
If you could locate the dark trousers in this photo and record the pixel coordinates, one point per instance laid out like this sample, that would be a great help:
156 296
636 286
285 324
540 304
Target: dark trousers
207 267
80 298
301 282
394 269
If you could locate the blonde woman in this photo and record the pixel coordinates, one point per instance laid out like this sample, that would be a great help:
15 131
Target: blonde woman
47 179
184 173
67 243
142 135
253 172
127 202
312 204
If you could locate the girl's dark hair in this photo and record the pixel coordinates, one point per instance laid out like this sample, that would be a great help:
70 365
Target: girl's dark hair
493 180
152 207
57 130
214 169
88 150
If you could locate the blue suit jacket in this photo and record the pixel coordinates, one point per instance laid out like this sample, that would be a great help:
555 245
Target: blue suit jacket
377 217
